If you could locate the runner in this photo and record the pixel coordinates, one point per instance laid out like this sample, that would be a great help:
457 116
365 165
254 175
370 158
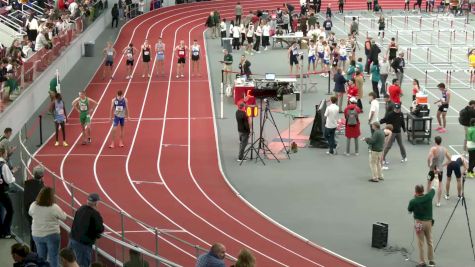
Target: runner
181 50
195 58
381 26
392 49
83 106
443 104
471 60
312 49
435 160
59 112
109 54
343 50
119 108
146 49
129 52
326 59
293 55
160 51
457 162
320 51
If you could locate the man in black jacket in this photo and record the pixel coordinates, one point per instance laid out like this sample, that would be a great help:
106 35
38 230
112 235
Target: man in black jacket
243 129
86 228
31 189
373 53
396 119
398 65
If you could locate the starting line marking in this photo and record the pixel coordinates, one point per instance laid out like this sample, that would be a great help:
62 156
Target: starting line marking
83 155
179 145
146 82
146 182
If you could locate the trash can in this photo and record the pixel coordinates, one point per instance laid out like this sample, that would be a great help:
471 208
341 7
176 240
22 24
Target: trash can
227 44
89 49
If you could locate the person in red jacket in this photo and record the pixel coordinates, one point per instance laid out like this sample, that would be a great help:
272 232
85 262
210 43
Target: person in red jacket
352 125
351 90
395 92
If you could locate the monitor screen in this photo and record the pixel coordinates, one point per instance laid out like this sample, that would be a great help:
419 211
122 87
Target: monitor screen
270 76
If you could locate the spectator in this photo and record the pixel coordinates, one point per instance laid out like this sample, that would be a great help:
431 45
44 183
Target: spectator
374 110
350 72
73 8
398 65
238 13
245 67
41 41
6 178
421 207
136 260
216 19
214 258
210 24
227 67
45 228
331 122
115 15
352 125
23 257
245 259
384 73
31 189
86 228
339 89
376 145
354 27
68 258
6 144
396 119
471 147
395 92
375 77
32 28
373 53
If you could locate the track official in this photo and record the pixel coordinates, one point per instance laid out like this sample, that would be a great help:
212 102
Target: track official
243 129
421 207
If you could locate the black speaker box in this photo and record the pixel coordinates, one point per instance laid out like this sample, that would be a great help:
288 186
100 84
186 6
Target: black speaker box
380 235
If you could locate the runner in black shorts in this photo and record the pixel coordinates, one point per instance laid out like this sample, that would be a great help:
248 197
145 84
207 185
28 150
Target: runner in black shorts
181 50
293 57
195 58
455 166
129 52
146 51
443 103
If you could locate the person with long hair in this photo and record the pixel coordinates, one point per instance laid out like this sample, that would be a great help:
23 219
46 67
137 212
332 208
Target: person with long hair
146 51
45 227
245 259
58 108
415 88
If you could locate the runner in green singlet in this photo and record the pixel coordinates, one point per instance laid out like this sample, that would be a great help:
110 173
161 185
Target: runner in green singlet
84 106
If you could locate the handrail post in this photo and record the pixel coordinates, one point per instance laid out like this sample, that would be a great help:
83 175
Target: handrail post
72 197
122 233
156 245
329 82
40 120
197 249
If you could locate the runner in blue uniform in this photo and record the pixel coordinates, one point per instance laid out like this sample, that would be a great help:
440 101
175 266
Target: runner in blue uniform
59 110
120 110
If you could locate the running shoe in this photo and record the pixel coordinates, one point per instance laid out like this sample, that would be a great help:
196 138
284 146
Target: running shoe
381 178
111 145
438 204
121 144
56 143
470 175
89 140
143 75
178 76
431 263
442 130
403 160
438 128
357 154
265 48
385 168
65 144
446 196
182 75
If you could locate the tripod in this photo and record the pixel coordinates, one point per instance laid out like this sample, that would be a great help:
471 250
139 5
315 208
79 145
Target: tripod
464 204
267 115
253 148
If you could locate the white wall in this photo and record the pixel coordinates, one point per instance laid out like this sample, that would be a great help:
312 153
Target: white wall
20 110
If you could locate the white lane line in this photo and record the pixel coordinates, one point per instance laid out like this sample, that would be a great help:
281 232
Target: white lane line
146 182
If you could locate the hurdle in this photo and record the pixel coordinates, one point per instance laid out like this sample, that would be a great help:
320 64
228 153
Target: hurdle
407 32
423 60
464 72
425 41
427 71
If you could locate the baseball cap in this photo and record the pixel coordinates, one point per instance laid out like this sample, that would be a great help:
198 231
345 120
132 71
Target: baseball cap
93 197
353 100
397 106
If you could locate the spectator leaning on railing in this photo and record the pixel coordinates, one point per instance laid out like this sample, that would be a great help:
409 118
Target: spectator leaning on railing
31 189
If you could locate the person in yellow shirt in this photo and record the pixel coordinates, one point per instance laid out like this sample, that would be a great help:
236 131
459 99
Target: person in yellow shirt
471 60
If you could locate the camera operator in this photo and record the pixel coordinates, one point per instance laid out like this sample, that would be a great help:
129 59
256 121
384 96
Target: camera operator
421 207
243 129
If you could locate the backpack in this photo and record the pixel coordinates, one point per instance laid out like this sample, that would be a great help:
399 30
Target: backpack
465 116
352 118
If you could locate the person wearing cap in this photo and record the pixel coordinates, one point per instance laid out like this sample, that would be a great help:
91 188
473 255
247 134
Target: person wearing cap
376 145
396 119
86 228
243 129
31 189
352 125
443 104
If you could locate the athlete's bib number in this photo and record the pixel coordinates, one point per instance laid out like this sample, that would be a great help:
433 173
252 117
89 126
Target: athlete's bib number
196 53
110 53
119 108
146 53
83 107
60 111
181 53
294 52
160 52
129 55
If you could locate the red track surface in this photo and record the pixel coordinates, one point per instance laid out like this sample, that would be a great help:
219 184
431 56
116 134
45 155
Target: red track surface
172 150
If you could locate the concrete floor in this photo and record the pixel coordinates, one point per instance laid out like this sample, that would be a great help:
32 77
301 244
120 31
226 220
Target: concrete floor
328 199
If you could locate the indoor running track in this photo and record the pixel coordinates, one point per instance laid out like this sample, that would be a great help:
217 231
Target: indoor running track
168 175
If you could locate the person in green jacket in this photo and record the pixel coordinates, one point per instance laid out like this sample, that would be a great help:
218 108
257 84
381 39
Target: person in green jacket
351 70
376 145
375 77
471 148
421 207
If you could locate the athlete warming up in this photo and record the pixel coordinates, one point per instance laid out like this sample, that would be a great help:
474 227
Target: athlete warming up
181 50
109 54
195 58
129 53
160 50
84 106
119 108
